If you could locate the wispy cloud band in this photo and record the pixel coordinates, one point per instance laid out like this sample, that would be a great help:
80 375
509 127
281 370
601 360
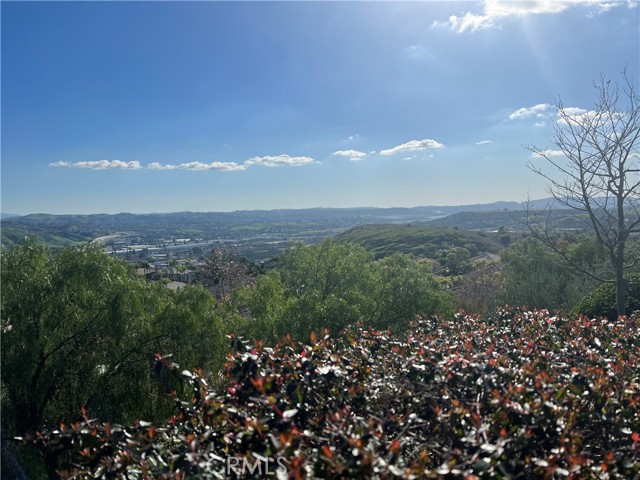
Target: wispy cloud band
280 161
266 161
100 164
224 166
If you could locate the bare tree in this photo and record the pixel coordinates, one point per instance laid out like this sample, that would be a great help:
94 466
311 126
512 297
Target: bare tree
597 170
223 271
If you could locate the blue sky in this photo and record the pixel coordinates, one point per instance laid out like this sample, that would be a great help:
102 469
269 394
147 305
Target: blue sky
212 106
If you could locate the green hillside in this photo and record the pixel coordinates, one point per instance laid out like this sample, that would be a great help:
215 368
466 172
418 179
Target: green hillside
511 219
15 234
385 240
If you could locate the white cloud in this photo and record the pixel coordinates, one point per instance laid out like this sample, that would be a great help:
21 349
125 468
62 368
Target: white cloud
495 10
159 166
412 146
483 142
540 124
573 111
576 115
267 161
100 164
353 155
280 161
224 166
527 112
548 153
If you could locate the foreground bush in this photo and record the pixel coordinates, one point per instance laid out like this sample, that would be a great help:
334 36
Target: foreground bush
521 395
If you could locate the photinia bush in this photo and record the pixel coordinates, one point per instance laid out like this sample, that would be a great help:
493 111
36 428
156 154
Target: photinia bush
519 395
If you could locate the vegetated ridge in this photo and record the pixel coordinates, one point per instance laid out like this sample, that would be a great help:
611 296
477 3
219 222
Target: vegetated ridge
563 219
419 240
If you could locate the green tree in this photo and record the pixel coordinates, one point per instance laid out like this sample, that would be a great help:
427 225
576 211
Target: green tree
534 275
263 304
328 286
58 310
333 285
454 260
537 276
81 328
405 288
190 328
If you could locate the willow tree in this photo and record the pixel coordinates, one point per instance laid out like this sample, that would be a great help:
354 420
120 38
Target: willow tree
81 329
597 171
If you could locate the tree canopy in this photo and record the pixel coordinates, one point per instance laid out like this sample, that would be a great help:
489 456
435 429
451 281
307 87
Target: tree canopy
333 285
80 329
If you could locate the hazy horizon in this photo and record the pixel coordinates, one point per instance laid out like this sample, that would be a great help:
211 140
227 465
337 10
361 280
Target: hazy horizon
229 106
317 207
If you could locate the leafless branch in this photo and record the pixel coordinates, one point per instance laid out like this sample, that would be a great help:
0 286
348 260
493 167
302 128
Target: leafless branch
598 171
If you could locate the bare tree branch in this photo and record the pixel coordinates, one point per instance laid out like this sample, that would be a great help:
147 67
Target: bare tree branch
598 172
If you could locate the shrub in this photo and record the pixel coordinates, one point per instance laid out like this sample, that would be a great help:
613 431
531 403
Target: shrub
601 302
521 395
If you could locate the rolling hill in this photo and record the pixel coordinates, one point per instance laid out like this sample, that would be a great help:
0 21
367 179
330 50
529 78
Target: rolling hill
421 240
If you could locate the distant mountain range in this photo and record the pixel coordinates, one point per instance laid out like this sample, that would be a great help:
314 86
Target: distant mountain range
347 211
60 230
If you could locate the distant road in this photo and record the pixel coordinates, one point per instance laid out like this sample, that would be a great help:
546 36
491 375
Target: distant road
106 238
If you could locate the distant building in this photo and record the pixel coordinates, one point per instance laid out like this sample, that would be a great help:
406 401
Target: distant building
185 276
149 273
485 260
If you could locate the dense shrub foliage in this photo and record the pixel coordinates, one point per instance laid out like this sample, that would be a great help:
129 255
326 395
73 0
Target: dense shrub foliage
519 395
601 302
